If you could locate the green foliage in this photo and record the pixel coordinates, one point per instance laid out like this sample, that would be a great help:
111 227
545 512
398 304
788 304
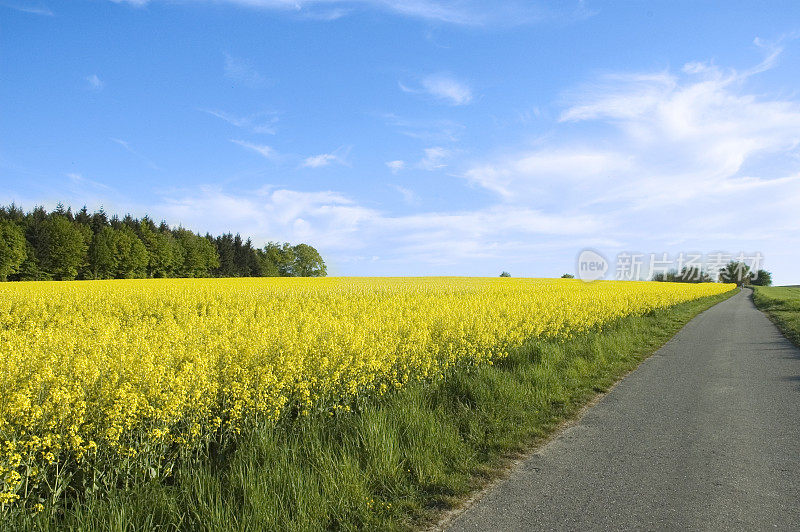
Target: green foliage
13 248
117 254
29 269
735 272
164 254
567 276
132 257
227 255
282 256
199 257
505 274
38 245
284 260
266 265
307 262
689 274
762 278
237 257
62 251
103 254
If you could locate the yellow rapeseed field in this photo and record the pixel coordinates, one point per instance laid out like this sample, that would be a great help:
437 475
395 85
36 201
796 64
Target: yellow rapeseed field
106 382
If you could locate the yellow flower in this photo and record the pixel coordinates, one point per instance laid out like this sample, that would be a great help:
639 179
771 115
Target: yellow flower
117 373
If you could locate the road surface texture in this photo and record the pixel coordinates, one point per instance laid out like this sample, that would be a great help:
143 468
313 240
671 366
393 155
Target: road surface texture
704 435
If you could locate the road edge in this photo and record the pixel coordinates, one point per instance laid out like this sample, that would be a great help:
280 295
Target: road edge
512 461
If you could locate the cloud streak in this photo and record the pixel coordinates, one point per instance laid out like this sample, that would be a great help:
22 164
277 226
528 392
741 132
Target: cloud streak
457 12
409 196
428 130
37 9
434 158
262 149
127 146
262 123
80 181
95 83
395 166
339 156
442 87
241 71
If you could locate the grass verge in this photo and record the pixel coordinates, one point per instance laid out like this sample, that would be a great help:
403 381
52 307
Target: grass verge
782 305
398 461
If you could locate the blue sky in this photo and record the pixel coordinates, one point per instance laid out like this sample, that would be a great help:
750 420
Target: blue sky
416 137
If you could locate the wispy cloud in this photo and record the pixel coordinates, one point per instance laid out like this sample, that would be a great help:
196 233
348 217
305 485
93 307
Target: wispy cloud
339 156
531 172
79 180
409 196
340 227
461 12
95 83
28 7
125 144
324 218
326 14
262 149
684 157
265 123
442 87
395 166
434 158
429 130
447 88
241 71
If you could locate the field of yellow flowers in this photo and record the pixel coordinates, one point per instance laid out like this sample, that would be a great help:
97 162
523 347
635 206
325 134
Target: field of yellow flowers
105 383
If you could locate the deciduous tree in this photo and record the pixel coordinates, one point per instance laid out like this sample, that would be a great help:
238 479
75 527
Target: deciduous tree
13 248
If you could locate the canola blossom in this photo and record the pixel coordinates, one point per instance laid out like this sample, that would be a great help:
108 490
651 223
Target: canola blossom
107 382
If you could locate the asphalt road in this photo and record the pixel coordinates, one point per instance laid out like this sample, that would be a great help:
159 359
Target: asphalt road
704 435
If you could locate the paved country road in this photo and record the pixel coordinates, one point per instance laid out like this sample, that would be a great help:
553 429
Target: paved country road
704 435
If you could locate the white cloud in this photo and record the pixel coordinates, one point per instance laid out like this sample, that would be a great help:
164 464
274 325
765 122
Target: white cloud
667 138
461 12
326 219
343 229
265 151
339 156
434 158
531 172
127 146
34 8
409 196
263 123
442 87
395 166
318 161
80 181
692 159
428 130
241 71
447 88
95 83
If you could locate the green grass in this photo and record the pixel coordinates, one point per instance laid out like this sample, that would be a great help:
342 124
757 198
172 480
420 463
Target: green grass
782 304
396 462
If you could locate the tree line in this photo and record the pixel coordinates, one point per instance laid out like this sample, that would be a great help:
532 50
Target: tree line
733 272
62 245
